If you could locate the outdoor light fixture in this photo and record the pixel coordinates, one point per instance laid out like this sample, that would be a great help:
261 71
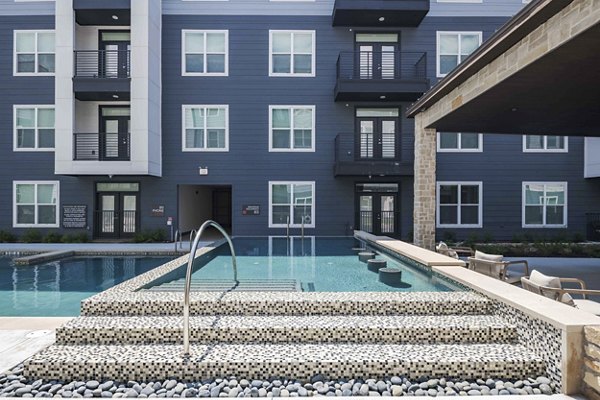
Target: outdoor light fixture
202 170
115 17
514 109
381 19
382 97
115 96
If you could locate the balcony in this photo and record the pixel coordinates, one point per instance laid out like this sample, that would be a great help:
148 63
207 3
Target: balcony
368 158
379 13
383 75
102 75
101 147
102 12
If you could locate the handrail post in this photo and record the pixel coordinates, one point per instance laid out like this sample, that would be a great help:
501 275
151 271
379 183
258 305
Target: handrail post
288 228
175 239
191 237
188 279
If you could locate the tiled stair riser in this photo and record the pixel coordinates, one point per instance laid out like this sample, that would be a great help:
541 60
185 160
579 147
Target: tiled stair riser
151 335
160 362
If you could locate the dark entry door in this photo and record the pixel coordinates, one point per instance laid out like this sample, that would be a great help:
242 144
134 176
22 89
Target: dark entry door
376 138
222 207
116 215
114 133
114 54
377 60
377 213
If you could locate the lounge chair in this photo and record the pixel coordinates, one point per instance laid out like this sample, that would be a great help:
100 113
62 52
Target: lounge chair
454 252
551 287
494 266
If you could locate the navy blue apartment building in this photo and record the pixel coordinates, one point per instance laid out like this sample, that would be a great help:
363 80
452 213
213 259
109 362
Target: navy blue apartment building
124 115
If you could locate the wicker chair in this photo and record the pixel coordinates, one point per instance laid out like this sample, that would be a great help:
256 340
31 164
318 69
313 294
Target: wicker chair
454 252
551 287
494 266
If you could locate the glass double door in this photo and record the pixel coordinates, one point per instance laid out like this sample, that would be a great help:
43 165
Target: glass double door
115 53
377 138
377 213
116 215
377 61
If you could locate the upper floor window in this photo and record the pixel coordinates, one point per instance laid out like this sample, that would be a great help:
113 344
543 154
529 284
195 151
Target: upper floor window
293 203
205 128
292 128
458 141
540 143
33 128
453 48
459 204
34 52
205 53
544 204
292 53
35 204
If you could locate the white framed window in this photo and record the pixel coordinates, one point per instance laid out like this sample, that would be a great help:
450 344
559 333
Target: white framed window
33 127
459 205
544 204
452 142
453 48
292 53
545 144
33 52
35 204
205 128
292 128
291 200
204 52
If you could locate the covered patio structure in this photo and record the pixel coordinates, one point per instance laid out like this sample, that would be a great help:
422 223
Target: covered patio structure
539 74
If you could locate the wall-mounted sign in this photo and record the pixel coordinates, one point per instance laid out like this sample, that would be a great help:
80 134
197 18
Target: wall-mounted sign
169 221
158 211
74 216
251 210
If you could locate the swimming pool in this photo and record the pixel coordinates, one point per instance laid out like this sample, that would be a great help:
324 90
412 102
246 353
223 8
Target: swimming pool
56 288
312 264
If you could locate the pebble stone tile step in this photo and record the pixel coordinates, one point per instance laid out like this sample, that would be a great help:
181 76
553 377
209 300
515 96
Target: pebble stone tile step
301 361
282 303
289 329
13 383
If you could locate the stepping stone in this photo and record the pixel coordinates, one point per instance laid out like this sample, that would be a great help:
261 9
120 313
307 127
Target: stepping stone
375 265
390 276
365 255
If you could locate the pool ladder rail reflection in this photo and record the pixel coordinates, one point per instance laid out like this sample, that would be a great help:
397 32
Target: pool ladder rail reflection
188 278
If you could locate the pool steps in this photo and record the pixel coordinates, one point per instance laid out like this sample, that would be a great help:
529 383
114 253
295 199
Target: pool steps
397 329
301 361
43 257
221 285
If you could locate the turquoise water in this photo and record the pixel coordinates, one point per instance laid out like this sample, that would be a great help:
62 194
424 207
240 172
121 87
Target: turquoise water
317 264
56 288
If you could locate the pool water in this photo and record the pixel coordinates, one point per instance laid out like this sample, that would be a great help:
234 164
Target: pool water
56 288
315 264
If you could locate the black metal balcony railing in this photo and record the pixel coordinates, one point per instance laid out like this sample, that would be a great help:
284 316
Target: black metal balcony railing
101 147
378 222
112 64
382 65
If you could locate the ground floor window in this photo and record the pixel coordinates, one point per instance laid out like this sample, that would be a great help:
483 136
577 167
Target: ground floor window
291 202
35 204
459 204
544 204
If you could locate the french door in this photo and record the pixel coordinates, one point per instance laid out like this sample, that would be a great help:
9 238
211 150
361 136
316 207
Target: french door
114 133
377 213
377 60
114 57
116 215
376 138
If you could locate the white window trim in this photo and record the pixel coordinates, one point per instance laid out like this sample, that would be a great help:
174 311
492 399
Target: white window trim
312 211
292 74
458 183
545 149
17 225
15 138
292 149
565 210
479 149
184 107
15 72
205 31
437 46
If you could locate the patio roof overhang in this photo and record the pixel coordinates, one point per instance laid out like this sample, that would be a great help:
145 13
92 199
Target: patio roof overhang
558 93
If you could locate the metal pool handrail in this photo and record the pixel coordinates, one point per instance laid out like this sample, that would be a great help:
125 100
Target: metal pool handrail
177 235
192 233
188 279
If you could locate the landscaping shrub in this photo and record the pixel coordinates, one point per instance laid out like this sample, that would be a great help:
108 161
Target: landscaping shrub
7 237
150 236
449 237
52 238
75 238
31 236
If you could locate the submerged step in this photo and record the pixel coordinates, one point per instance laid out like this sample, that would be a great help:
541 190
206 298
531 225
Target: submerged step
289 329
335 361
223 285
43 257
293 303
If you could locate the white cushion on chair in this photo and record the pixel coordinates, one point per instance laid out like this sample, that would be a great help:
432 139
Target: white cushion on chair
488 257
540 279
588 306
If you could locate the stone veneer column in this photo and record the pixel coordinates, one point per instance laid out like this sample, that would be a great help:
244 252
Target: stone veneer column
591 363
424 200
